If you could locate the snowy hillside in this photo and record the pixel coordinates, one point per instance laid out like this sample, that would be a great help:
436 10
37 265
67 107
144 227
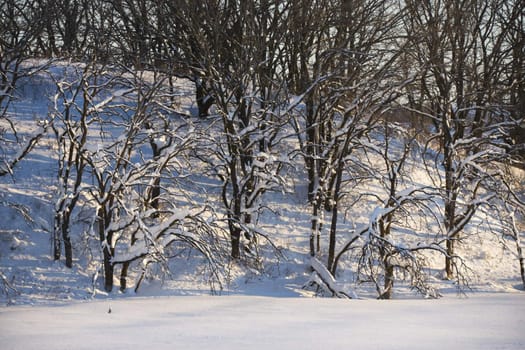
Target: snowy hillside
262 174
282 267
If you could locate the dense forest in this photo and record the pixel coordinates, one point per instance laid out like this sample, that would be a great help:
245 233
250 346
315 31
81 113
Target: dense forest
341 96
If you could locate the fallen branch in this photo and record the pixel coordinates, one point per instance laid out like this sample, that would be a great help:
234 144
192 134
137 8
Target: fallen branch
326 281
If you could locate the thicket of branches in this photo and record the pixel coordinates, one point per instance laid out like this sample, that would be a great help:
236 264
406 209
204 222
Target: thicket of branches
348 90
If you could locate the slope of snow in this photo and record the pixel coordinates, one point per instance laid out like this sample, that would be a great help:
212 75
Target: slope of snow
25 247
51 306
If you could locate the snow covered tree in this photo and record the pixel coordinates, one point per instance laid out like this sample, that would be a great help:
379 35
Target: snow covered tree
73 114
77 29
125 150
394 241
180 45
350 81
114 164
462 49
308 23
19 29
241 70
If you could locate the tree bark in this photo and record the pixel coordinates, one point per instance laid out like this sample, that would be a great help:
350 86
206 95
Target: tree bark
335 212
107 250
235 238
204 100
68 247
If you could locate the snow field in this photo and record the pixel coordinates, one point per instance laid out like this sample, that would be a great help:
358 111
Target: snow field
490 321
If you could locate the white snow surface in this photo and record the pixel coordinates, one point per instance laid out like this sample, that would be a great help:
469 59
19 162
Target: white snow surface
493 321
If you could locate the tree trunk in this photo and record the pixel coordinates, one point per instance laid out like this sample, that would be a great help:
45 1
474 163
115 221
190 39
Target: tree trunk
68 247
311 151
107 251
389 280
521 258
57 239
335 212
204 100
155 194
125 268
449 264
315 229
123 276
235 235
333 236
234 218
450 193
108 270
61 234
384 227
522 266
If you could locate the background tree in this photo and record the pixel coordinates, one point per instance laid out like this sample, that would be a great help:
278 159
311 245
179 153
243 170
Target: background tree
72 115
460 45
249 96
392 245
19 30
344 80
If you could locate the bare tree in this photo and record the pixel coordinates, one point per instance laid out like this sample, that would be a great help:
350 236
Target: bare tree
18 32
392 243
241 73
72 115
112 167
462 53
328 62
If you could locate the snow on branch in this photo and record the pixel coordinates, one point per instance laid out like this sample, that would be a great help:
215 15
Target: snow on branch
322 278
8 165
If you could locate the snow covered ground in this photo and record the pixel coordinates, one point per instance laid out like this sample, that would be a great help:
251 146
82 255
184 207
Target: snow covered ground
491 321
